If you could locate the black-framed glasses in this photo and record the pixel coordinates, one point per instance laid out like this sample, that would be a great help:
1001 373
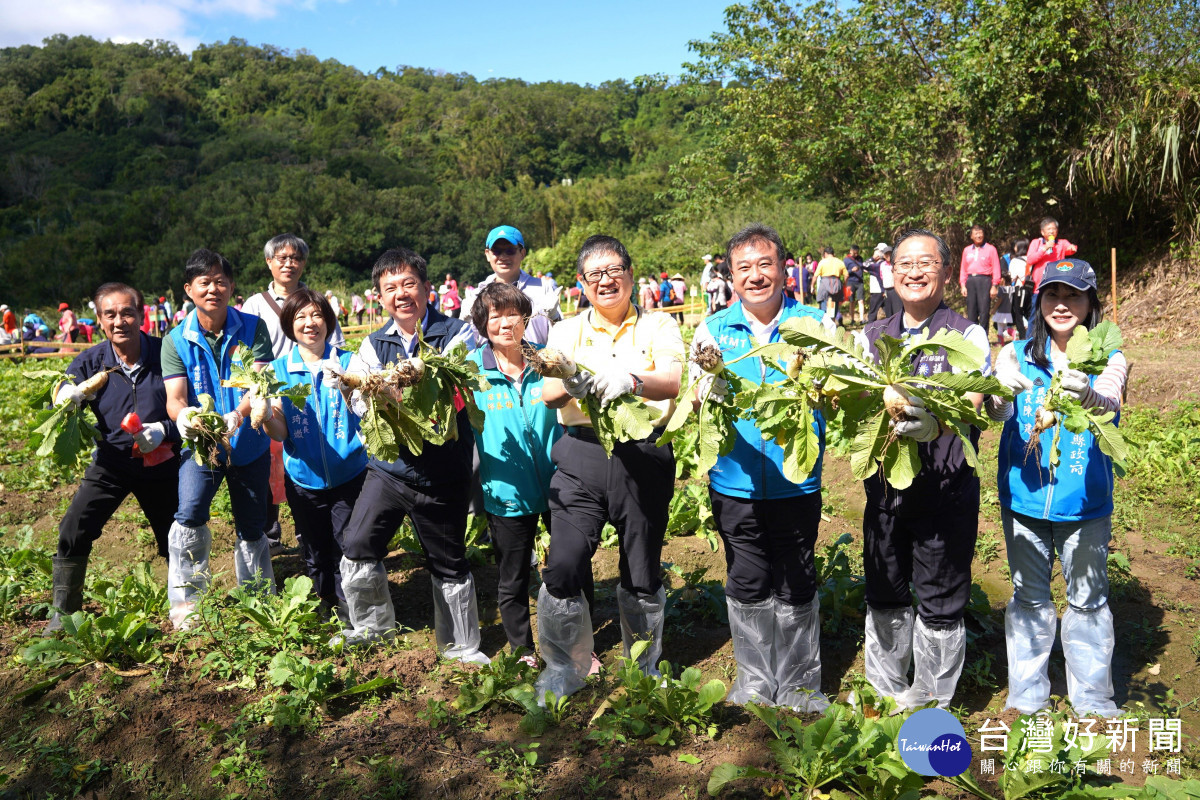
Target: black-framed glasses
595 276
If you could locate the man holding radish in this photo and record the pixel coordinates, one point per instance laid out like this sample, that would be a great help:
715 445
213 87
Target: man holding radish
924 534
117 378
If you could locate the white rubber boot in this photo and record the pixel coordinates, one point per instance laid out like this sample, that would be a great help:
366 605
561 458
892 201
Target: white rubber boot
456 620
187 570
798 656
368 602
641 620
1029 632
752 628
566 642
887 652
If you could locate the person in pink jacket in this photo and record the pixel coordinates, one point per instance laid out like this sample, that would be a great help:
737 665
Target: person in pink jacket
979 276
1047 249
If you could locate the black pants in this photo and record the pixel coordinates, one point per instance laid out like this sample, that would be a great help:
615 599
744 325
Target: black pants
1020 308
769 546
979 299
875 305
934 551
321 516
632 490
101 493
891 302
513 538
439 516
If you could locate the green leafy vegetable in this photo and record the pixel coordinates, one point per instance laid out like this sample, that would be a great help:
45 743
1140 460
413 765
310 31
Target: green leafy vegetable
65 432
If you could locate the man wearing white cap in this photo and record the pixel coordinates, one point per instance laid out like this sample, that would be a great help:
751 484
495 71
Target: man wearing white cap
505 250
879 269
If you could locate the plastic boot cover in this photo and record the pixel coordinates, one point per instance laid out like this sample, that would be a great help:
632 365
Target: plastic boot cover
456 620
368 602
187 569
642 619
752 628
68 588
1030 636
1088 641
252 564
798 656
565 640
938 656
888 649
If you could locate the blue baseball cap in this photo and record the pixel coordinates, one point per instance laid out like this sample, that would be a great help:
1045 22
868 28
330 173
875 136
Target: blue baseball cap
1071 271
508 233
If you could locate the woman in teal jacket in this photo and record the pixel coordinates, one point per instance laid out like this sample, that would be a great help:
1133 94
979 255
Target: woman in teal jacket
324 459
514 450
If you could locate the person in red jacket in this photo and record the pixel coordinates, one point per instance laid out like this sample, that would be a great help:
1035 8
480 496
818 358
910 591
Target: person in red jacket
1046 249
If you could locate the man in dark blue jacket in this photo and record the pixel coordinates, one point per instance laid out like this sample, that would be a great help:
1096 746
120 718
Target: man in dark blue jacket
135 384
432 488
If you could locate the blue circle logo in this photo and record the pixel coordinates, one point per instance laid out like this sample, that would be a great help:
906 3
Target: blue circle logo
933 742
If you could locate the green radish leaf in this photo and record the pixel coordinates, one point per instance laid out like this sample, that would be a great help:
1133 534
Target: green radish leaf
959 352
801 449
901 463
1079 347
1110 440
968 382
867 446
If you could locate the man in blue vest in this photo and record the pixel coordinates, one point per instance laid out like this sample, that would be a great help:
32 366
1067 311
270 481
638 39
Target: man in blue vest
767 522
924 534
432 488
196 357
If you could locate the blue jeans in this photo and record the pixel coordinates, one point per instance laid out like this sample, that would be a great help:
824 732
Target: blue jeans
1082 547
249 493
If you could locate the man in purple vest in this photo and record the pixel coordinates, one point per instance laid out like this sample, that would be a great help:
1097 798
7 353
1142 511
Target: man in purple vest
925 533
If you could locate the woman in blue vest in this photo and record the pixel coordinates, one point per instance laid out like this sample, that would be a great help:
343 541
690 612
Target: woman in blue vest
1070 516
324 459
514 450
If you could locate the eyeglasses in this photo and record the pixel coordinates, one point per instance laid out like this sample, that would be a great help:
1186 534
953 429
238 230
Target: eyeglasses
600 274
289 259
926 266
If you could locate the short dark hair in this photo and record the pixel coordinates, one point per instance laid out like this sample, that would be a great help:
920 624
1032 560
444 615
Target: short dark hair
978 227
299 300
206 262
1021 248
277 243
854 248
501 296
396 260
598 244
756 232
115 287
827 250
916 233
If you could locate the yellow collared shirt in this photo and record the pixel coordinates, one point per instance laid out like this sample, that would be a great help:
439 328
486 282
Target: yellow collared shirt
645 341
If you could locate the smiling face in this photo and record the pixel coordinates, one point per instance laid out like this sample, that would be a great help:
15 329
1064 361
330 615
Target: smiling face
919 275
210 292
286 266
404 296
977 235
310 327
505 260
1050 231
1063 307
607 283
120 317
758 277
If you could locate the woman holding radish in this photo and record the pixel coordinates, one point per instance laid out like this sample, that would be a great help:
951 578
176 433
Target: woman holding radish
324 459
1065 509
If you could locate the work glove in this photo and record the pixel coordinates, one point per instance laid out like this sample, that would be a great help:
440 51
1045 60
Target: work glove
1008 372
331 374
548 302
358 406
233 420
921 426
578 385
1074 383
719 391
69 393
611 384
150 436
187 427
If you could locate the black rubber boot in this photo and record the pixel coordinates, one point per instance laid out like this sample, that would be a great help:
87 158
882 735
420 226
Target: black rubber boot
68 588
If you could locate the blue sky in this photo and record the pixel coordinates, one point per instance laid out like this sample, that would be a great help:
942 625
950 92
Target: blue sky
536 41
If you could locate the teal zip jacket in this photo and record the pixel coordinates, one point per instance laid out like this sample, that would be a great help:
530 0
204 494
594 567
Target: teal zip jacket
514 448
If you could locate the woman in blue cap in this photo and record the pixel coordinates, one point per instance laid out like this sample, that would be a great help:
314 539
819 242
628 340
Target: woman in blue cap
1070 514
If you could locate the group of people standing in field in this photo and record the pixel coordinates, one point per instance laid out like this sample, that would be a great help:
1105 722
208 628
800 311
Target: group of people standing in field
538 459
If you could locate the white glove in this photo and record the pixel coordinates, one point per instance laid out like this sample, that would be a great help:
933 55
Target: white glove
548 302
150 436
1008 372
358 406
233 420
331 373
578 385
1074 383
69 393
921 425
187 428
719 388
611 384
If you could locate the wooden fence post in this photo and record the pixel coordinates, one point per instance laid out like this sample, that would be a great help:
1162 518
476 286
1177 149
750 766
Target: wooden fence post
1114 284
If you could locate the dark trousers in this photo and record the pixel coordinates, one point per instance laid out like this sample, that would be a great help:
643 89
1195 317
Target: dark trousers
439 516
101 493
891 302
933 550
513 538
979 299
874 307
1020 308
321 516
632 490
769 546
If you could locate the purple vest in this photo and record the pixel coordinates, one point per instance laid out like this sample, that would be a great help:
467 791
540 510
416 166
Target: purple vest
945 477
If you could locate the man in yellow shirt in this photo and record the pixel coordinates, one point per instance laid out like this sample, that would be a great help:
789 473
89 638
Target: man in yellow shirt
629 351
828 279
